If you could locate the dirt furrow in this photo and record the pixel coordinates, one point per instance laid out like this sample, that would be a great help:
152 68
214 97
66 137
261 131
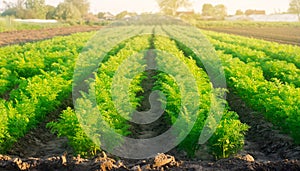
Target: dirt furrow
263 141
142 131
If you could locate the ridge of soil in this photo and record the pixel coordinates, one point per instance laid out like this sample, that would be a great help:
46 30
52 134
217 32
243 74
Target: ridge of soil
24 36
40 142
284 35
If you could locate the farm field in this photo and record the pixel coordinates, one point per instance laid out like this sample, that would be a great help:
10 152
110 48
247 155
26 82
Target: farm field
280 35
287 33
39 128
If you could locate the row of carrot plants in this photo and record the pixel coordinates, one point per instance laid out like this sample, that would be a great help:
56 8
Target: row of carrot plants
289 53
277 101
92 120
30 97
228 137
53 55
44 81
84 133
286 72
278 68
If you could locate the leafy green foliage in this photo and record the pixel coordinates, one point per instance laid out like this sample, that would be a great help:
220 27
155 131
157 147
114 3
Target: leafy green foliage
278 102
85 136
4 135
229 136
224 142
67 11
40 83
7 80
170 7
281 69
104 83
43 72
289 53
69 126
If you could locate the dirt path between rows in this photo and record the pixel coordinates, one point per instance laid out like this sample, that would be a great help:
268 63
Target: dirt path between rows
23 36
284 35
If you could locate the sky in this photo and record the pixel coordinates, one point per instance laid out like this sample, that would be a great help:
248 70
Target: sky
139 6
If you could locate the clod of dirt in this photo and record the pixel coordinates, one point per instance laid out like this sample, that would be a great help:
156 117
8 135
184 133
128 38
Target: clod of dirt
20 164
248 158
163 160
64 160
136 168
107 163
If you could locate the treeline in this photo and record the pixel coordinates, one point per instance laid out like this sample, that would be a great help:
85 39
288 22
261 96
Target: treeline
38 9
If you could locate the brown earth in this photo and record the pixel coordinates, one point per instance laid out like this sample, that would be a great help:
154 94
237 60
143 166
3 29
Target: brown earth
23 36
286 35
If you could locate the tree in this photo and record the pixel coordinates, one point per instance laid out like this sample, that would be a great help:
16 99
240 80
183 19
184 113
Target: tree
220 12
50 12
122 14
8 5
26 9
83 6
67 11
9 9
295 8
239 12
16 9
208 10
170 7
36 9
100 14
9 12
20 8
20 4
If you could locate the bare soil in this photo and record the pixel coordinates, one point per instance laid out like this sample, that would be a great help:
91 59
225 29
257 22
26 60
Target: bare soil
23 36
286 35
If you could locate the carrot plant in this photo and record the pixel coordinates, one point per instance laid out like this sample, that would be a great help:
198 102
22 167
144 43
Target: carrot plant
92 122
278 102
289 53
36 82
224 142
280 69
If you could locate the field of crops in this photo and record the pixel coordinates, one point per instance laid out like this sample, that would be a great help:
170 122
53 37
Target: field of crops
110 82
281 32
